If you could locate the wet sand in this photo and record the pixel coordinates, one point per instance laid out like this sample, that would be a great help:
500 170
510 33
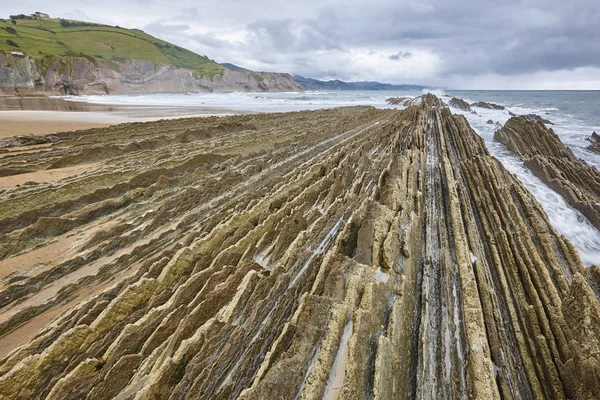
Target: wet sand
46 115
26 122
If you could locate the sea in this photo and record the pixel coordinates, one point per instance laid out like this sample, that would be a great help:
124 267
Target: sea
575 115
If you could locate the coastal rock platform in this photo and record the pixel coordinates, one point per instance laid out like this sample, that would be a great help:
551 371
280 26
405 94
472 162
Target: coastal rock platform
350 253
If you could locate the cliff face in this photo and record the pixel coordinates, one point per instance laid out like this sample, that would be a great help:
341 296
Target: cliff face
79 75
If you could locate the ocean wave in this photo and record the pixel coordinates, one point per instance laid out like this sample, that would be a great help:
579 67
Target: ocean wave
437 92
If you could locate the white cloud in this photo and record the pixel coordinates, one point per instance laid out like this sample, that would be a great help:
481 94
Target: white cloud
514 44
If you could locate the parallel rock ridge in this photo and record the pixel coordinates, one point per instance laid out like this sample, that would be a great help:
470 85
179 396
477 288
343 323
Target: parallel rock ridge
550 160
352 253
460 104
490 106
428 98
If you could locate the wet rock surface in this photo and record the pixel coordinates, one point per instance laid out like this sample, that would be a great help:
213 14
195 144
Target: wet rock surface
460 104
489 106
350 253
396 100
551 161
535 117
27 140
594 140
428 98
532 117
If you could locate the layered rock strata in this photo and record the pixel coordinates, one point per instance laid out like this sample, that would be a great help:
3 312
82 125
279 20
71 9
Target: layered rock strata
80 75
535 117
594 140
428 98
396 100
489 106
352 253
550 160
460 104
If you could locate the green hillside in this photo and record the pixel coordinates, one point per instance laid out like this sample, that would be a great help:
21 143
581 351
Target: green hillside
44 38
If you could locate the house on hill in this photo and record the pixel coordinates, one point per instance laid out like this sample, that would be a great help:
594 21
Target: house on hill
40 15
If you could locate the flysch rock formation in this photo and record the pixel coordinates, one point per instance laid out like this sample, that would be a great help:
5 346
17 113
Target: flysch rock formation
350 253
79 75
550 160
428 98
594 140
460 104
535 117
396 100
489 106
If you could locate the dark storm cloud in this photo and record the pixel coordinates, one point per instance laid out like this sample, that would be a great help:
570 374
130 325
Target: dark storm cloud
484 37
458 38
400 55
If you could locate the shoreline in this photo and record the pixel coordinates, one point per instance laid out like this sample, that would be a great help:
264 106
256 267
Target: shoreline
28 122
48 115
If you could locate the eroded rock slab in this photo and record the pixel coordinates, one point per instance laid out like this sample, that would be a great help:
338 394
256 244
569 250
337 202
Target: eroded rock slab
594 140
551 161
489 106
351 253
460 104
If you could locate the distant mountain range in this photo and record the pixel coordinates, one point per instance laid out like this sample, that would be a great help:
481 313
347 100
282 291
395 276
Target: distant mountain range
315 84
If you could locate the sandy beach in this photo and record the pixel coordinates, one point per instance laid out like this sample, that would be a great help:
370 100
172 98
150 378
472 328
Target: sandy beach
46 115
25 122
13 123
52 115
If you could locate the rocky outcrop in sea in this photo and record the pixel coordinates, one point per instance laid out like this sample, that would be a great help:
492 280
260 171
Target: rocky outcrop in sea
489 106
594 140
550 160
397 100
535 117
460 104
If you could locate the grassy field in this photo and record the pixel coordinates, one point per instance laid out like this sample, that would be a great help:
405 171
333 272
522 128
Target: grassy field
46 38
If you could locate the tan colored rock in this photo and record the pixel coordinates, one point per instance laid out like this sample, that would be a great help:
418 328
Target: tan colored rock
78 75
594 140
460 104
348 253
551 161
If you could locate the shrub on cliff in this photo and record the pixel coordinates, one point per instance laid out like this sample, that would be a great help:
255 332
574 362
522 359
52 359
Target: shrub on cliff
20 16
65 23
11 43
10 29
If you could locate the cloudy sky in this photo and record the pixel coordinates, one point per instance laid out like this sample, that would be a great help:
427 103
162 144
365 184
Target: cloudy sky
486 44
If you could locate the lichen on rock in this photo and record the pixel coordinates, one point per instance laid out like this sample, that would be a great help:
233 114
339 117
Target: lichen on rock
348 253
